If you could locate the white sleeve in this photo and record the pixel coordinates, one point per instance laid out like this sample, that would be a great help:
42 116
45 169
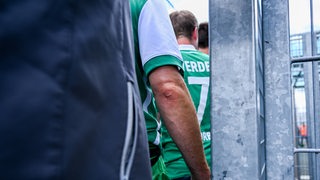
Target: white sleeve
155 31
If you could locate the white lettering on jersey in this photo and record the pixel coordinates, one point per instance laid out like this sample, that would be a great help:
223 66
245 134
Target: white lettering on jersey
199 66
204 82
206 136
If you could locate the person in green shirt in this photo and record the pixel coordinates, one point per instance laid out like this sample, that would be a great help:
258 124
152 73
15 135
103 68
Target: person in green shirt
163 90
196 75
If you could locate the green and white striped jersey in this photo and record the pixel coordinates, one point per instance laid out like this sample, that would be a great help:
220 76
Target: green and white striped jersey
197 77
155 46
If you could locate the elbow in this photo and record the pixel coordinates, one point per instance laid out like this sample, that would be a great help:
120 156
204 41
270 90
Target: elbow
166 82
168 90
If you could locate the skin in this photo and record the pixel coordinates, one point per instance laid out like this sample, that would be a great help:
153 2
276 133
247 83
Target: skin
179 115
193 41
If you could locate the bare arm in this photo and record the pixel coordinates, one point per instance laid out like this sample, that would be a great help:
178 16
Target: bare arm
179 115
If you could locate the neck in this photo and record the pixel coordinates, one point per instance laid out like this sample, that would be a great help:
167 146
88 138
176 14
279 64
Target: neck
184 41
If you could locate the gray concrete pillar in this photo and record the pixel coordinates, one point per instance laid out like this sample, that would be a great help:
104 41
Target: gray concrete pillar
279 126
234 92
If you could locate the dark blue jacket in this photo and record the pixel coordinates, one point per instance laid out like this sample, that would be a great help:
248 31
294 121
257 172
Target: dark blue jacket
69 105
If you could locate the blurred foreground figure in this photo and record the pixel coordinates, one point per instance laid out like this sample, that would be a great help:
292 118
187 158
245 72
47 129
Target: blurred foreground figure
70 107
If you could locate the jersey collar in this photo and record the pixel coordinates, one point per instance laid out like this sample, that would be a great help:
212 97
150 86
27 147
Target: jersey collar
186 47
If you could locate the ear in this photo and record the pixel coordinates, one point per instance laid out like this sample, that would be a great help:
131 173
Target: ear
194 40
195 34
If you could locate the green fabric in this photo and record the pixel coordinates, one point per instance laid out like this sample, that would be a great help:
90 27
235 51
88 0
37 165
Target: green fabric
196 65
161 61
159 170
142 72
150 112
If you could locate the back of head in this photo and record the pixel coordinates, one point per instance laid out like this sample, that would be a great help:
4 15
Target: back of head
184 22
203 35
